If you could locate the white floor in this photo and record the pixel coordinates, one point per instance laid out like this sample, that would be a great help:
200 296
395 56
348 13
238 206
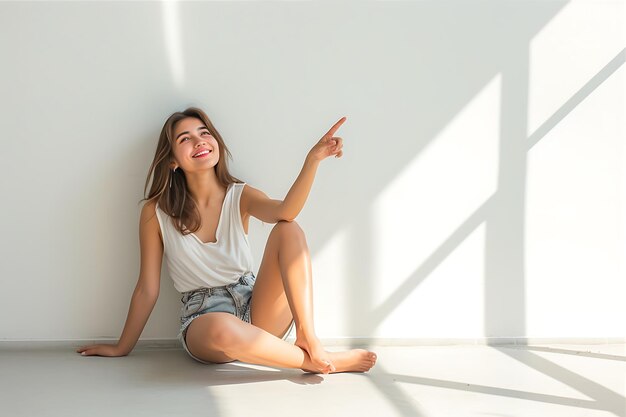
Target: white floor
455 381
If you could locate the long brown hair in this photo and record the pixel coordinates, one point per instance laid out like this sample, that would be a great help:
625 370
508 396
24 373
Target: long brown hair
177 201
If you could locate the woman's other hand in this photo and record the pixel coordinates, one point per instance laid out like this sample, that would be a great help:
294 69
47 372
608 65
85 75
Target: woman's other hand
328 145
101 350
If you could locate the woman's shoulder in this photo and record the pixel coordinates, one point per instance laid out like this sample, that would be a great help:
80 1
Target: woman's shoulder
149 217
149 209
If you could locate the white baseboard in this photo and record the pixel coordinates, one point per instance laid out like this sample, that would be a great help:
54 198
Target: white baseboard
346 341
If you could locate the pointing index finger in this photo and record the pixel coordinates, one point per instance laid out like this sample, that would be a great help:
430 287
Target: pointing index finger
335 127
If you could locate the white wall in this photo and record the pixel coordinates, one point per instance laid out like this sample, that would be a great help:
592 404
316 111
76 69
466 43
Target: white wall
481 192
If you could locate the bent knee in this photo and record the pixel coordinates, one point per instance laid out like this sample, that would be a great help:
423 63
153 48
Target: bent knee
215 331
284 226
224 334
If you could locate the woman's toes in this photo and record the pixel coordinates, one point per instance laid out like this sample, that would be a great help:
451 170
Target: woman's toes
373 358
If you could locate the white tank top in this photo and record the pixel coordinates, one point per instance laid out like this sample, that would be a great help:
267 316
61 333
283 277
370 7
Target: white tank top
193 264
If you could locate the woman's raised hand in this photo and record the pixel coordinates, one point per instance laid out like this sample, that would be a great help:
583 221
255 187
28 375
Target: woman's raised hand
328 145
101 350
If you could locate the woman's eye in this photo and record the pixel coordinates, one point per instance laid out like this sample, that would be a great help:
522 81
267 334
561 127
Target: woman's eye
183 139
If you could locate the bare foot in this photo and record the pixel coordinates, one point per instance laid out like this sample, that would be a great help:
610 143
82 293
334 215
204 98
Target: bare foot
354 360
320 358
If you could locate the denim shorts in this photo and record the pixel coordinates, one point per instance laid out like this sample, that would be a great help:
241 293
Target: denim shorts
233 298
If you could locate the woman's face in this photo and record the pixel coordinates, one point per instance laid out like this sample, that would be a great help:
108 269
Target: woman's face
191 137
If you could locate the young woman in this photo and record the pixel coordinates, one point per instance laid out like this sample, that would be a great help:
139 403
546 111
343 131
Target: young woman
197 215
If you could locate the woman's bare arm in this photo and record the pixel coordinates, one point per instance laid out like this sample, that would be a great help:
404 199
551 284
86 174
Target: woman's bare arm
146 291
298 193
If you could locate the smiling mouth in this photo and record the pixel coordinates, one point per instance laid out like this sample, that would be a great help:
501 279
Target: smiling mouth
203 154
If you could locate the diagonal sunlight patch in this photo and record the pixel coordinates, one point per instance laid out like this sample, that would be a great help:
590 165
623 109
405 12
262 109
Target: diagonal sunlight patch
498 391
577 98
173 42
565 54
605 398
572 212
434 194
470 232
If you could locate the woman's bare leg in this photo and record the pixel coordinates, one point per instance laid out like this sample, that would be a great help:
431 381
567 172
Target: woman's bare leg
284 290
222 337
